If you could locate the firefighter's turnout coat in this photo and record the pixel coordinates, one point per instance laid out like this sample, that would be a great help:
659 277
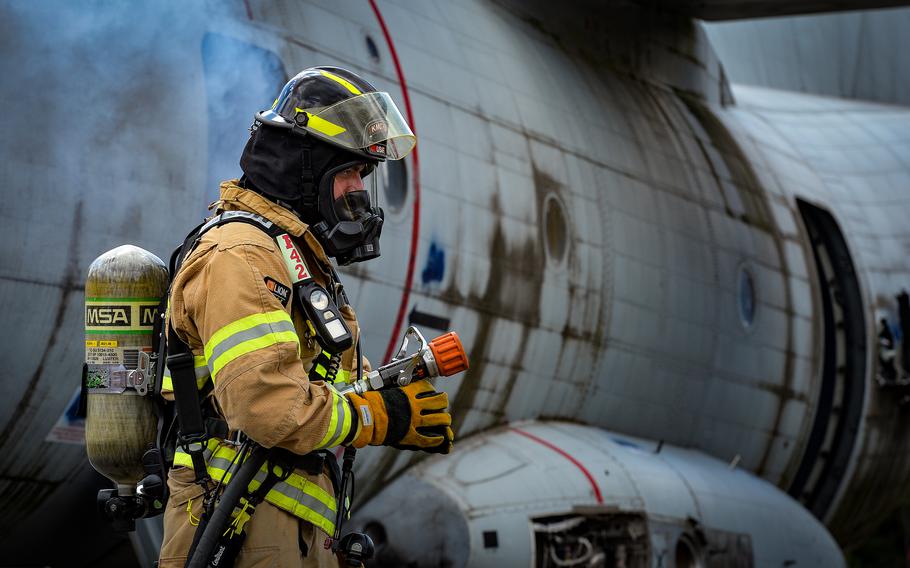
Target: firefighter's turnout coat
232 303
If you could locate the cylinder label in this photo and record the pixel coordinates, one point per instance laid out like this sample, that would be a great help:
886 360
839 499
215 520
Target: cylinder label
113 355
109 379
120 315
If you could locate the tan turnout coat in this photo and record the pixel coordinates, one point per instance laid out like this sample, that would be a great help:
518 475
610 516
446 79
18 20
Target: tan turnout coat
261 387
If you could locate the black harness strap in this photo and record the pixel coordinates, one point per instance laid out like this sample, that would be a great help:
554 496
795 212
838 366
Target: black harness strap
195 430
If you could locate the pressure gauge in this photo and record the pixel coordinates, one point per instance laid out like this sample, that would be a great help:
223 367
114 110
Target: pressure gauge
319 299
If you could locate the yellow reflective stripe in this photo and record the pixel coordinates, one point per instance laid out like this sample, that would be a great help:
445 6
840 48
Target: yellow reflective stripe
243 324
346 409
253 345
200 367
343 376
347 84
333 422
319 124
249 334
183 458
339 423
296 494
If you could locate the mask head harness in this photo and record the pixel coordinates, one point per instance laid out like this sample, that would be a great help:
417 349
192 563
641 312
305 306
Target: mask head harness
326 121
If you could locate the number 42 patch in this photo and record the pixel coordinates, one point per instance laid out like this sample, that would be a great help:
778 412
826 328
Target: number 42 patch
296 267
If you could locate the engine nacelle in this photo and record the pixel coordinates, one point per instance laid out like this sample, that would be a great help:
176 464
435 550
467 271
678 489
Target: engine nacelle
559 494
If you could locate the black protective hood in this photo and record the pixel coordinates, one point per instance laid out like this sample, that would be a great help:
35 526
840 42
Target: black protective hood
274 164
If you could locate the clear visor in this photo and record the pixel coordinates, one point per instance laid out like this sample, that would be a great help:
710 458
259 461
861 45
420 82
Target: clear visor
355 192
369 122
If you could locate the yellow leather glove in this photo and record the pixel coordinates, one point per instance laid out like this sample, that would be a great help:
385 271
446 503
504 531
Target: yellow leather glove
414 417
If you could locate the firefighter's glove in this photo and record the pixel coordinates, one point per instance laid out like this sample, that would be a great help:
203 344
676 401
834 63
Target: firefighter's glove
414 417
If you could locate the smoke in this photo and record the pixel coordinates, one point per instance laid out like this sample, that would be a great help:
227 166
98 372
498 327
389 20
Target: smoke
82 82
121 104
108 115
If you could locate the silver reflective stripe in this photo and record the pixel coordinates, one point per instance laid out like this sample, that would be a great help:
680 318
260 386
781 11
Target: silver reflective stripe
341 413
220 463
289 491
255 332
227 215
206 454
305 499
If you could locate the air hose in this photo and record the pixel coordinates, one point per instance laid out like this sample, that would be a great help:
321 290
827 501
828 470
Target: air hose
236 489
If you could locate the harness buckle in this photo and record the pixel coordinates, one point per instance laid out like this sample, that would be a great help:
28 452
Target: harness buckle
180 361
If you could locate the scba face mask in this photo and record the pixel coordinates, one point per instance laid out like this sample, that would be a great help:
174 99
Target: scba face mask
351 218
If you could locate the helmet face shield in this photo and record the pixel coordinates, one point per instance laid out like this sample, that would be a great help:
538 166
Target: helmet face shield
335 129
369 123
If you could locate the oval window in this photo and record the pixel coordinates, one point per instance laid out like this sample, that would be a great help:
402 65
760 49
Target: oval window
394 182
746 297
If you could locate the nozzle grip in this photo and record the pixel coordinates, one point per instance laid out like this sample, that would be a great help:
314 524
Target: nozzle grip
449 354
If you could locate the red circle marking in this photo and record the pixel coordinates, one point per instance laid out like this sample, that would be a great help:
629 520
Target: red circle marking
415 228
564 454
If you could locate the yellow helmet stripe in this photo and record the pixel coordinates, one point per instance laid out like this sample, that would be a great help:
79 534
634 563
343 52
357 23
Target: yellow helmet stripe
347 85
320 124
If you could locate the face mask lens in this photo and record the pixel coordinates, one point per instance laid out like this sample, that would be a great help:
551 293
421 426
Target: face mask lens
353 206
355 196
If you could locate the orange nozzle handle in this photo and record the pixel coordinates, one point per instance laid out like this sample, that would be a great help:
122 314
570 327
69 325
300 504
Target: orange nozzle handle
449 354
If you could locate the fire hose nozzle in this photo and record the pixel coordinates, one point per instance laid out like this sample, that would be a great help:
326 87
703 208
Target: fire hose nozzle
449 354
442 357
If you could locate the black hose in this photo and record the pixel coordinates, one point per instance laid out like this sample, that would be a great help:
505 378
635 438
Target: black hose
236 489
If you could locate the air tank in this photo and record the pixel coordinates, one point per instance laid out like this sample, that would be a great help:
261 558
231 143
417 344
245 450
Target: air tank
122 292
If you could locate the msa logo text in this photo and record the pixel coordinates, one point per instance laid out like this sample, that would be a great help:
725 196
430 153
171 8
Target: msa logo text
147 314
113 316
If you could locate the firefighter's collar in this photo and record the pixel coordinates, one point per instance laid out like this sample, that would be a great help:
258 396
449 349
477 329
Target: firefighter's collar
234 197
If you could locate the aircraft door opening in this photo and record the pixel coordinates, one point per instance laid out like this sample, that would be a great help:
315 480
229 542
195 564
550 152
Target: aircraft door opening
840 403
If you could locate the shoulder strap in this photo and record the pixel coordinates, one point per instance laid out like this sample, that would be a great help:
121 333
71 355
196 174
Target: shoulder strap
242 216
193 433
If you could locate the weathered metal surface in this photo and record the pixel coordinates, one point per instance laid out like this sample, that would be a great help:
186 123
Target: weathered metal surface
627 151
852 159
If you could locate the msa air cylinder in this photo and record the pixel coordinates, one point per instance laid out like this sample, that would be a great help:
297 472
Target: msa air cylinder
122 292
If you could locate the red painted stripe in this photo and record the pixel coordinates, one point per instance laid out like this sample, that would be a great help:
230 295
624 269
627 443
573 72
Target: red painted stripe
564 454
415 227
249 11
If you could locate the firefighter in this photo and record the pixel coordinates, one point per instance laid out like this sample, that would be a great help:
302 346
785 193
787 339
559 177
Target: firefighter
261 366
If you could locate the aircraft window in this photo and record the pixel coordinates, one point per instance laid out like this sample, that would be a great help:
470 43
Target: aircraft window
240 79
395 184
746 297
556 228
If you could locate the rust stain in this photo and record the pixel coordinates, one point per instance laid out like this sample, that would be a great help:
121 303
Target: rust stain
756 213
513 292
